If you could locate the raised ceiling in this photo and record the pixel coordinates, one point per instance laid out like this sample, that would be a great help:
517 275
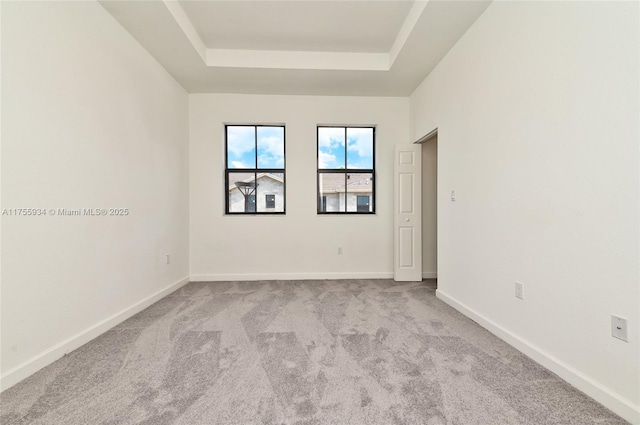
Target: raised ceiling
362 47
354 26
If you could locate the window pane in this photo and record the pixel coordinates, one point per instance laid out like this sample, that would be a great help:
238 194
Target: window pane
241 192
360 148
270 201
331 148
363 203
359 192
332 191
241 146
270 147
323 203
270 185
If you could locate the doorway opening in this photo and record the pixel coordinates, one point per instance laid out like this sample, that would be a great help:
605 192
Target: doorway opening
430 208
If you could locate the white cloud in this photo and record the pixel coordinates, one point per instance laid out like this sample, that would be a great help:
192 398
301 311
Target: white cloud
238 164
330 137
360 140
240 139
271 151
326 160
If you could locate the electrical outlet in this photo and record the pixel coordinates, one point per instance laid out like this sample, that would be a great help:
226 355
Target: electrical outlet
619 327
339 250
168 259
519 290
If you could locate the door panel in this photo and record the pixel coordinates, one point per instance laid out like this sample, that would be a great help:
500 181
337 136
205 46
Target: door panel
406 193
406 246
408 210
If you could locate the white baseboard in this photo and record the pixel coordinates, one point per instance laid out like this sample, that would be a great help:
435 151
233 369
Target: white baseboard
289 276
429 275
31 366
613 401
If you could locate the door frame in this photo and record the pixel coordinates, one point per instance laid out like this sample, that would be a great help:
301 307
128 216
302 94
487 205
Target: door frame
429 137
399 218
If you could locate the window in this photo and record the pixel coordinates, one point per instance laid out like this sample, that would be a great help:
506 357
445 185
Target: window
270 201
254 169
346 182
323 203
363 203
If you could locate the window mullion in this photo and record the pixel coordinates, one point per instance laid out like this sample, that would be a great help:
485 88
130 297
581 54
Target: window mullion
346 170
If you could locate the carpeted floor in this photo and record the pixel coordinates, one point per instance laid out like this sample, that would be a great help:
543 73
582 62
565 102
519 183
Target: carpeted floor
298 352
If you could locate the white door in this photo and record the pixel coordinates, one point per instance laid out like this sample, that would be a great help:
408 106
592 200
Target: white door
408 213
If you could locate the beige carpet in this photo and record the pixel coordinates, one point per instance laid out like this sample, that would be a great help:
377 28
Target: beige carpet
298 352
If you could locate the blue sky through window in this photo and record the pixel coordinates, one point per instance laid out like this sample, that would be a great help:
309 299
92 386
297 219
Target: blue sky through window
270 147
360 148
331 152
242 145
331 147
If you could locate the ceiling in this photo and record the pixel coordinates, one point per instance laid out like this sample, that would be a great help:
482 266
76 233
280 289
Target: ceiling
328 47
298 26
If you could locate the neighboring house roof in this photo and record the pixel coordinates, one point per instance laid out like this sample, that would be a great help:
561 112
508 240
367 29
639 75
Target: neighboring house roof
249 177
330 182
356 182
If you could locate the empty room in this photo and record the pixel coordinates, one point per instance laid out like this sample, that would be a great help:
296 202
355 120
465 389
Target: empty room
320 212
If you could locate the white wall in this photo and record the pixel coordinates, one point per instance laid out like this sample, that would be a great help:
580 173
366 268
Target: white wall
430 208
89 120
537 108
300 244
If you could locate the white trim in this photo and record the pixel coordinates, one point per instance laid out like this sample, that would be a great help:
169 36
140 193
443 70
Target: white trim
31 366
430 135
278 59
289 276
187 28
429 275
613 401
405 31
281 59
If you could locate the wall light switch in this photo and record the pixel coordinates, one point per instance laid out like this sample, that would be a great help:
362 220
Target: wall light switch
453 196
519 290
618 327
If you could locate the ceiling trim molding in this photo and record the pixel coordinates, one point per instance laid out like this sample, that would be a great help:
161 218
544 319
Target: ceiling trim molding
407 28
187 27
277 59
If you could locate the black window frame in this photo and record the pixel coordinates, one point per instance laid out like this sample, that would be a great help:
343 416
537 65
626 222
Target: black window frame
346 171
255 170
